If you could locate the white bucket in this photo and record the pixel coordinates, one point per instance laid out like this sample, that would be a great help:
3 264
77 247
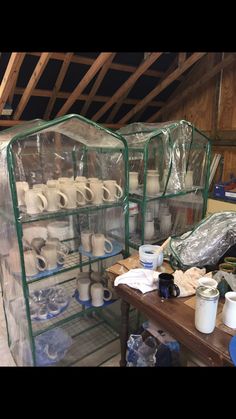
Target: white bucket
148 258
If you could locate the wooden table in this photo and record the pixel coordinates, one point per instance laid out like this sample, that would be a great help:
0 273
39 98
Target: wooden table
176 315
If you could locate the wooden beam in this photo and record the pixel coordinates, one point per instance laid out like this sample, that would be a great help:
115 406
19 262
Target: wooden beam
95 67
97 98
128 83
10 74
32 83
117 106
188 92
59 81
114 66
11 123
97 84
161 86
181 58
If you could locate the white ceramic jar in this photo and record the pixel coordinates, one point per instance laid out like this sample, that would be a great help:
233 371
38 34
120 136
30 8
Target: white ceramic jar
229 310
206 308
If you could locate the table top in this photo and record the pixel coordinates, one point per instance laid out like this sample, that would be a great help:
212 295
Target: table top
176 315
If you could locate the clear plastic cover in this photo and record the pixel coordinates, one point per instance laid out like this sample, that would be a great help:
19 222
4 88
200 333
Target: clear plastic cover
63 186
166 159
207 242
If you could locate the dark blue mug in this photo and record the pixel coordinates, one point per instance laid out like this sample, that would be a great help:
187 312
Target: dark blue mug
167 288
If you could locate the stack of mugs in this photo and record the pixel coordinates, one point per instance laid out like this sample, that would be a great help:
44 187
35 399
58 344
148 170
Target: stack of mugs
67 193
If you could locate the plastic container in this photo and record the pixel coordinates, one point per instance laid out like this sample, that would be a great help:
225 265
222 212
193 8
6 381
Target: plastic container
148 257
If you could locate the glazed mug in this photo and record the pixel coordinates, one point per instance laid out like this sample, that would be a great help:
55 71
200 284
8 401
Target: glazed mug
99 245
167 288
99 294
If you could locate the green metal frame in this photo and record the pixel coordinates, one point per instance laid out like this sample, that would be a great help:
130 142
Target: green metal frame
19 220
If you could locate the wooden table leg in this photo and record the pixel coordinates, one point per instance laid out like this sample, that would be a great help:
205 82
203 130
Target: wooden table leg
124 331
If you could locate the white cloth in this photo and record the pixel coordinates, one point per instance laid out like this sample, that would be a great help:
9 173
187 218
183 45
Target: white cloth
144 280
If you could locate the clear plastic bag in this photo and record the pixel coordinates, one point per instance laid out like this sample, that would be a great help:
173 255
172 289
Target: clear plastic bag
52 346
141 353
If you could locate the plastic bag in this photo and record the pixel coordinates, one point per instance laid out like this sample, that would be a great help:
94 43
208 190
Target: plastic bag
52 346
141 353
205 245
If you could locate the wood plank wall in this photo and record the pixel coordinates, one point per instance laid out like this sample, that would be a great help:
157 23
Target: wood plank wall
212 108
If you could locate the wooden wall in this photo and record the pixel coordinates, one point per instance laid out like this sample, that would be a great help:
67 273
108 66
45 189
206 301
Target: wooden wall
212 108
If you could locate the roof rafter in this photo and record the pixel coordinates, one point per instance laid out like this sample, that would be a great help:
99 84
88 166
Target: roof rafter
118 105
95 67
59 81
97 84
32 83
211 73
162 85
9 77
127 84
97 98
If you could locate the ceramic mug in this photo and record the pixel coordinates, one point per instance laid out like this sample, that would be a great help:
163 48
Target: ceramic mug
86 240
21 188
69 189
31 263
81 179
37 243
100 294
133 182
98 190
41 187
83 285
82 195
165 224
153 186
99 245
229 310
35 202
149 230
52 256
167 287
61 247
54 195
207 282
115 190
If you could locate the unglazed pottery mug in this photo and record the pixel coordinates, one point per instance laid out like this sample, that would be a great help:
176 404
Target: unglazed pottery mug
229 310
70 190
59 246
99 245
115 190
98 190
189 179
41 187
54 195
133 181
83 285
35 202
153 186
86 240
167 288
81 179
32 265
83 192
100 294
149 230
59 229
52 256
21 188
37 243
